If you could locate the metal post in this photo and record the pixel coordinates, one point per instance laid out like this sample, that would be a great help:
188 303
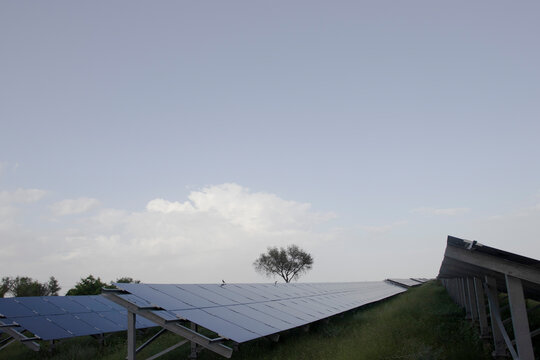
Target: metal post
456 292
520 322
462 293
450 289
466 302
493 300
193 354
131 336
481 305
472 299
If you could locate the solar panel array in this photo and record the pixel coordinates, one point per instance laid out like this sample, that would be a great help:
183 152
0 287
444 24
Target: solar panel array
60 317
406 282
243 312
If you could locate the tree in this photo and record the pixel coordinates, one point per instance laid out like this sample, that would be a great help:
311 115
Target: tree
88 286
53 286
288 263
127 280
5 286
26 286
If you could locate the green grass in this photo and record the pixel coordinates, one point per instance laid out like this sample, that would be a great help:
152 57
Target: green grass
421 324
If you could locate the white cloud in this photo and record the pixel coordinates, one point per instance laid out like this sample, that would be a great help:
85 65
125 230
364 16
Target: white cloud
215 233
441 211
74 206
21 196
10 204
164 206
237 205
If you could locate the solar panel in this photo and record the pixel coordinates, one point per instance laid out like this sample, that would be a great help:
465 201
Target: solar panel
60 317
41 306
11 307
91 303
67 304
243 312
71 322
406 282
99 322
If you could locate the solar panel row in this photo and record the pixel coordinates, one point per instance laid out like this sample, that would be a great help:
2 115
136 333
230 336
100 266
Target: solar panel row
406 282
243 312
59 317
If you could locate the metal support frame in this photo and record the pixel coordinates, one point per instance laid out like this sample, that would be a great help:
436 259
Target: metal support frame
167 350
193 345
472 298
463 267
6 342
131 335
176 327
465 298
520 322
500 336
481 307
149 341
30 343
477 259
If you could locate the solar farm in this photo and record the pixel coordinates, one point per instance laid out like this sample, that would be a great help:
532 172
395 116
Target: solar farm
221 319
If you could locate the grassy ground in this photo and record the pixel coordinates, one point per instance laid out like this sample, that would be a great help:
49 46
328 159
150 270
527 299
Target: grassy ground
421 324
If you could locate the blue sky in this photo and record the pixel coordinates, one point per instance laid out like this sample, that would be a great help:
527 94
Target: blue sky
193 135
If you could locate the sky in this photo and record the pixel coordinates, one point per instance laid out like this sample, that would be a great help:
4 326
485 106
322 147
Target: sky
175 141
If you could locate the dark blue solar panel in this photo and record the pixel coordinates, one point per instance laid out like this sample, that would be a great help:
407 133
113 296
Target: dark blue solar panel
182 293
10 307
285 317
91 303
72 324
67 304
134 299
259 289
242 312
262 317
328 302
218 325
59 317
234 293
109 303
212 298
43 327
115 317
286 306
100 323
248 292
317 308
40 306
155 296
278 290
244 321
166 315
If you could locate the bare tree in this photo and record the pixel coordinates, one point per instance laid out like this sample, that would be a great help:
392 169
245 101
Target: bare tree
288 263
